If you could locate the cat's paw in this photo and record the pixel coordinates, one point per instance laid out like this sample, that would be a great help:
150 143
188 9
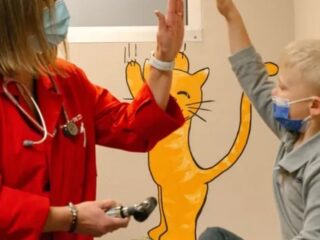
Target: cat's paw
134 77
133 68
156 232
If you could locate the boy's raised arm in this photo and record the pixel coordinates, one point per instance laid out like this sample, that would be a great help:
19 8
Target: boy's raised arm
238 36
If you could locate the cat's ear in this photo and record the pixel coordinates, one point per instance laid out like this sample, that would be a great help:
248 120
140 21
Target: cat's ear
201 76
181 62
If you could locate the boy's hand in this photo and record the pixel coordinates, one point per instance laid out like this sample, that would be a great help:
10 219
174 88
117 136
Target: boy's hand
238 36
225 7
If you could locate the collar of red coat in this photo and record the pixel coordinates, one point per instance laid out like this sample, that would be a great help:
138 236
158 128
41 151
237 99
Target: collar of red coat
50 101
44 80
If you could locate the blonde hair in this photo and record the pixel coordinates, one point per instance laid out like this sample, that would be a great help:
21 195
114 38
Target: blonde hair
19 21
305 56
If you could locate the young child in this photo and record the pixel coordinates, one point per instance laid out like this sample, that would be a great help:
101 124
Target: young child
291 108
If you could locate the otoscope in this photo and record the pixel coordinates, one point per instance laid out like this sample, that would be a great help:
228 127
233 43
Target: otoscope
140 211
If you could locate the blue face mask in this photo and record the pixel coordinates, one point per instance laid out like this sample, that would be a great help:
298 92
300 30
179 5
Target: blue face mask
281 109
56 29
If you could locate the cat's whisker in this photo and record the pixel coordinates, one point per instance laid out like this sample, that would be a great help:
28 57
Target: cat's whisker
187 118
204 109
197 115
207 101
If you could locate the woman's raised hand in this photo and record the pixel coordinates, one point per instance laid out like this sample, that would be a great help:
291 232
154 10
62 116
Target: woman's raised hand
170 31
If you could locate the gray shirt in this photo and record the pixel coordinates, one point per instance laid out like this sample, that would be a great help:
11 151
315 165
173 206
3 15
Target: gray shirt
296 176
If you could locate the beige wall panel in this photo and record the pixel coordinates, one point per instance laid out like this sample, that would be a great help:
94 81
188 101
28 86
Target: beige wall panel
242 198
307 18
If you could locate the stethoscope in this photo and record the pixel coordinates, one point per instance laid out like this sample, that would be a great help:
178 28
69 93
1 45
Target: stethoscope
70 129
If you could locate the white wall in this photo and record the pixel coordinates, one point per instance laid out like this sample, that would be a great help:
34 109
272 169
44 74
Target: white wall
307 18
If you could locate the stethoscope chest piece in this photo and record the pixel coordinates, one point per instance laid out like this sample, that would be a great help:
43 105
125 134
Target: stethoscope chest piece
70 129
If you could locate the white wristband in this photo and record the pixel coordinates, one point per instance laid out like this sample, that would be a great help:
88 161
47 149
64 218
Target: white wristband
160 65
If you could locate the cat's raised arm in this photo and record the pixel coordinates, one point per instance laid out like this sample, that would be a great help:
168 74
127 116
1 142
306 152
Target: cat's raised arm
134 77
238 35
169 40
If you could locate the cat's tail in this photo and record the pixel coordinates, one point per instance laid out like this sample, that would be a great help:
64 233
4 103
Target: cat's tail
238 146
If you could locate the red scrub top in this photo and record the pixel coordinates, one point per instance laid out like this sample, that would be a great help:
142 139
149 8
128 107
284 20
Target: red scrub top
63 169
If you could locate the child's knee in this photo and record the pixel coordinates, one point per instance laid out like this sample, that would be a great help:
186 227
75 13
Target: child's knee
212 233
218 233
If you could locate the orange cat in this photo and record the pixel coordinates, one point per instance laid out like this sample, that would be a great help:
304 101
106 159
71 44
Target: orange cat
182 184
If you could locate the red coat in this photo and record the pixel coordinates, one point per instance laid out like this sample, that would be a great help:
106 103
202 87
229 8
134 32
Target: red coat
68 164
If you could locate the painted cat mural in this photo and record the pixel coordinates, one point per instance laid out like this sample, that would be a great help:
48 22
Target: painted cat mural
182 183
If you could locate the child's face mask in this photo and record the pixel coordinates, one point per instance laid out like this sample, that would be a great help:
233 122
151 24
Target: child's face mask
281 109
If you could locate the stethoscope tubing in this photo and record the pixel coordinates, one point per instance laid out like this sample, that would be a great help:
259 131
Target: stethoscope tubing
70 128
43 128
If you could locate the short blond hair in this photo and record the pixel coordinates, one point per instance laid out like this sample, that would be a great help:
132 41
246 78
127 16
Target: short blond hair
19 20
305 56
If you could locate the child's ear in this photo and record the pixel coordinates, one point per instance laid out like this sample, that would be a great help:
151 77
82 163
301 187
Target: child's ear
315 106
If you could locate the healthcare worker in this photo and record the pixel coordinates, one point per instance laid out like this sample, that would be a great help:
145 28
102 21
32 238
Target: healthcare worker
51 117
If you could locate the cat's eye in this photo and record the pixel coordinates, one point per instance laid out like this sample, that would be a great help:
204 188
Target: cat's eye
184 93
